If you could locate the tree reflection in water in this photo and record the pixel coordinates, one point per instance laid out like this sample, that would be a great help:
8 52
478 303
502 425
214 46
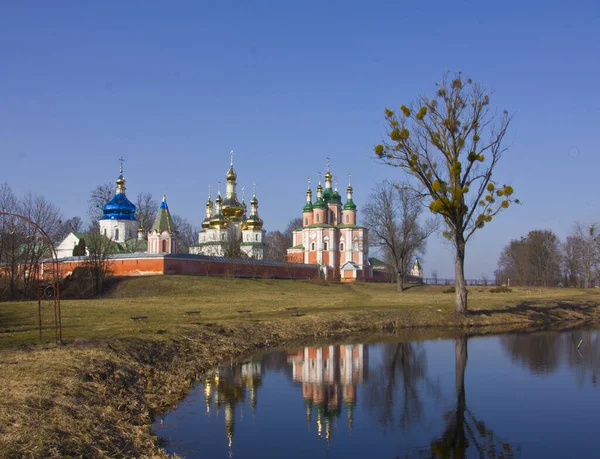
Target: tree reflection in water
405 364
542 353
463 429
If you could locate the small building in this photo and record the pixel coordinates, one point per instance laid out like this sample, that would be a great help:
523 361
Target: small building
162 238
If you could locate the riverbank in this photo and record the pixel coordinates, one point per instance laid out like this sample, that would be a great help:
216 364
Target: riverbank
97 395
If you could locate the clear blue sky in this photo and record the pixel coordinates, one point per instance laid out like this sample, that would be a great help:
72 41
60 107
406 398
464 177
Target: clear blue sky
173 86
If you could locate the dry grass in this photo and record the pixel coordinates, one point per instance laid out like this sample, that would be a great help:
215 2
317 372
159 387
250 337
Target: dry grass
100 401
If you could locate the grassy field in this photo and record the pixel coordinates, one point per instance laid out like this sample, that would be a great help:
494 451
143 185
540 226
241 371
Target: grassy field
174 303
97 396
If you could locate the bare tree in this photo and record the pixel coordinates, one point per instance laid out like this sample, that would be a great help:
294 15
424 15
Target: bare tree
392 216
98 261
532 260
451 144
571 262
588 251
434 276
72 225
232 245
276 245
277 242
187 235
99 196
146 209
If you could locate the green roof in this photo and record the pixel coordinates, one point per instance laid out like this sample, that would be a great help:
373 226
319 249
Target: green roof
252 244
163 221
377 262
350 226
299 246
308 207
319 203
349 205
320 225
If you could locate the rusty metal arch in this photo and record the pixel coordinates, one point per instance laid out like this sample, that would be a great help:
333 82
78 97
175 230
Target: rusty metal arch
56 284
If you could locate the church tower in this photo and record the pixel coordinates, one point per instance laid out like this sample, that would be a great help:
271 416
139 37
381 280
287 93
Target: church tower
118 222
252 232
163 236
329 236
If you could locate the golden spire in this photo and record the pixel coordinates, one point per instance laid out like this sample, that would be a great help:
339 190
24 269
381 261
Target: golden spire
121 179
319 188
328 175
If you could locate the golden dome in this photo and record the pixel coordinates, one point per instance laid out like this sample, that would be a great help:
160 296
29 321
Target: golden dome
231 175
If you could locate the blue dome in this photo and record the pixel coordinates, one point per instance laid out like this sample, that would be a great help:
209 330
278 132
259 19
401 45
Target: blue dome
119 208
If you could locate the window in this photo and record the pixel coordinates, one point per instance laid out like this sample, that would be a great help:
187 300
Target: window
305 221
347 218
117 234
341 246
256 237
325 245
318 218
164 246
312 246
223 236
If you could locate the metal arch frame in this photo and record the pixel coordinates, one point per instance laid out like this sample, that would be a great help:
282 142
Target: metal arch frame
56 266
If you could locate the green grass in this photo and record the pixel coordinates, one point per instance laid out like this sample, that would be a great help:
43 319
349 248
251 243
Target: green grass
167 299
95 400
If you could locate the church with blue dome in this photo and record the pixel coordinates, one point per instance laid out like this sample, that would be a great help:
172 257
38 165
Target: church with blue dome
118 222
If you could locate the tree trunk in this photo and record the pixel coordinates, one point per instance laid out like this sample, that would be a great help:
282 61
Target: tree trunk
400 282
460 439
459 271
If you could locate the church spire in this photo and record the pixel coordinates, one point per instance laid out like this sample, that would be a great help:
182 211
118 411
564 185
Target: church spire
328 175
121 179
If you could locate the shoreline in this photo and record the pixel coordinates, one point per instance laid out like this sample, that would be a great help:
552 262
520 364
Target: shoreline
99 398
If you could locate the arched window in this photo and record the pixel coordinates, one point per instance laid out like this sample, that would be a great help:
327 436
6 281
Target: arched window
341 246
312 246
116 234
347 218
305 221
325 245
318 217
164 246
256 237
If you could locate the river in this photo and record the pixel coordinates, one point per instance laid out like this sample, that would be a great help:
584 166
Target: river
530 395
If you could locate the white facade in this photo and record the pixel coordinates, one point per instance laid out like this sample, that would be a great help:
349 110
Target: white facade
65 248
119 230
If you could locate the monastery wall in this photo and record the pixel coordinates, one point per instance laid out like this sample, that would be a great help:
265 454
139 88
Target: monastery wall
144 265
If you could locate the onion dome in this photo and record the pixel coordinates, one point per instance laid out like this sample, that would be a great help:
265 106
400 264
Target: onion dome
233 209
209 211
308 207
119 207
349 203
253 222
218 220
320 202
163 221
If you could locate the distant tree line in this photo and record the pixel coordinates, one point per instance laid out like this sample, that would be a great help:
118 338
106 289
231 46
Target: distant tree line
541 259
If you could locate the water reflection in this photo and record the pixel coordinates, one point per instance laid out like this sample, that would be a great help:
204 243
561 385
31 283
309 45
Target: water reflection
227 387
543 353
350 396
329 376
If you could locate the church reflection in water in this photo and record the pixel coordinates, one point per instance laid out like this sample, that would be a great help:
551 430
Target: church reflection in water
329 376
228 387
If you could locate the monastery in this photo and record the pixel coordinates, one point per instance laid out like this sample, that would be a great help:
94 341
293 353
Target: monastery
330 244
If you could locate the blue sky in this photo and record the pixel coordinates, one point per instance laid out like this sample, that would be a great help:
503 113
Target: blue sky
174 86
